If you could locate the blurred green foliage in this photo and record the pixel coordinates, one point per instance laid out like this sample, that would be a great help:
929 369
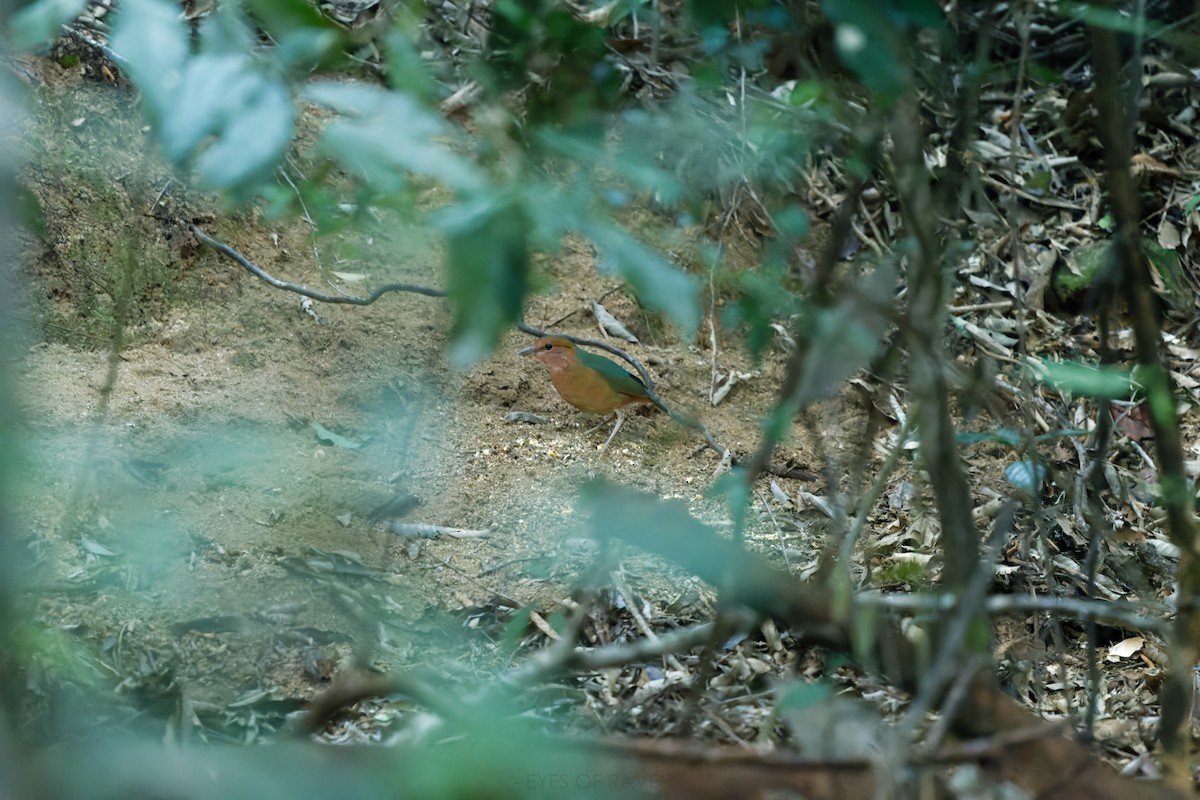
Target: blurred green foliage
871 38
556 143
37 22
223 107
1085 380
488 271
222 104
29 211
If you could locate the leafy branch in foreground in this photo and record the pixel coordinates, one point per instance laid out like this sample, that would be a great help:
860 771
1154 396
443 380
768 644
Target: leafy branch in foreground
982 713
225 109
1178 495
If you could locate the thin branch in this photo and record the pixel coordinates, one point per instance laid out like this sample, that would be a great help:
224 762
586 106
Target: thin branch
327 704
971 597
565 656
312 225
1137 290
1123 615
268 278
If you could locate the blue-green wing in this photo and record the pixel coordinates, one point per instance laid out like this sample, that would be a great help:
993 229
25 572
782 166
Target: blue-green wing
614 374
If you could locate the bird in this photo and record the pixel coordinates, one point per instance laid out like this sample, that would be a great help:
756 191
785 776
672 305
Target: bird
589 382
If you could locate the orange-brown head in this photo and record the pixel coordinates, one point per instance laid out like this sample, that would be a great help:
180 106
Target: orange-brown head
553 351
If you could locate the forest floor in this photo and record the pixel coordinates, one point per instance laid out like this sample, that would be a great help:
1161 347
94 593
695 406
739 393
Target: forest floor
197 501
187 519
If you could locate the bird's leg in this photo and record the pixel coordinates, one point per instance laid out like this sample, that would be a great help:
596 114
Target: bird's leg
617 427
598 425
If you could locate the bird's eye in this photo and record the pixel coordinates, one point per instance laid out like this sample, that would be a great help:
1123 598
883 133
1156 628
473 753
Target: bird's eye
548 346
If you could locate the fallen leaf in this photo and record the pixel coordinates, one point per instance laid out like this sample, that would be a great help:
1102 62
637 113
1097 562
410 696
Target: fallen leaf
610 324
329 437
1133 422
1125 649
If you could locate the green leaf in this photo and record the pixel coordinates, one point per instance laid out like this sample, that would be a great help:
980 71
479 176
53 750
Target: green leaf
1011 437
554 210
1165 263
806 92
381 135
582 149
304 37
657 282
1087 265
778 422
798 695
29 209
219 108
763 298
1044 74
919 13
256 132
661 526
871 37
226 31
870 43
406 68
735 490
205 81
665 527
1038 183
148 35
40 22
843 339
514 630
488 272
229 112
791 221
1157 384
1084 380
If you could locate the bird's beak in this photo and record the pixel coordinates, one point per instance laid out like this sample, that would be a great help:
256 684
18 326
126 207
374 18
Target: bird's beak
526 351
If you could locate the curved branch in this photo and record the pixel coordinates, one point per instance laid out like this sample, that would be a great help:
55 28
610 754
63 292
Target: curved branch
266 277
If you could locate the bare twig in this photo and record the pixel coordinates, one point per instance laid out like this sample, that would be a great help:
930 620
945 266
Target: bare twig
971 599
1121 614
783 551
1138 291
299 289
564 655
619 582
312 225
325 705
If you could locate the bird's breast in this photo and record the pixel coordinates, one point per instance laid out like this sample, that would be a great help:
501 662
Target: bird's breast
587 390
